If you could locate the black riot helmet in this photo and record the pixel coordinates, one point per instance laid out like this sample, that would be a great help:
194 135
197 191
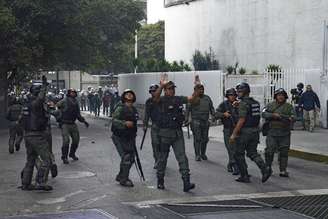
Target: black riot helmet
35 88
280 91
153 88
70 92
300 86
231 92
243 88
128 91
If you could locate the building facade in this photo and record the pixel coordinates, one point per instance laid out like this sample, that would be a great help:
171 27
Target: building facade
254 33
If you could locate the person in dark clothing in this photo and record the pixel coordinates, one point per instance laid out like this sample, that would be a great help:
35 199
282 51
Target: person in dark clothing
97 104
308 102
106 102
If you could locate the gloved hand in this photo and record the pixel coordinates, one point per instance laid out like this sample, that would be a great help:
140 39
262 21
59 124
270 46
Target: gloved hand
86 124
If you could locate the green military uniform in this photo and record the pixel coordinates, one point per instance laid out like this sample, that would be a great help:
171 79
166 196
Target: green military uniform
200 125
124 139
35 123
228 126
278 138
70 111
153 112
15 129
249 136
171 134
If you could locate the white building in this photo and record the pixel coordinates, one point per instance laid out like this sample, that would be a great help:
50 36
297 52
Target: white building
253 32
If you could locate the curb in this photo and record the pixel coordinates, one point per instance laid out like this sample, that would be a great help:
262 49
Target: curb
292 152
308 156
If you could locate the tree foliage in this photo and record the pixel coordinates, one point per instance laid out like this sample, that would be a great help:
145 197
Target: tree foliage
204 62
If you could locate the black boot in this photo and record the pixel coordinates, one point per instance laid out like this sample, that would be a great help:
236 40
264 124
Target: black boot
27 187
124 176
235 171
54 170
187 185
229 168
72 153
160 183
266 173
65 160
17 147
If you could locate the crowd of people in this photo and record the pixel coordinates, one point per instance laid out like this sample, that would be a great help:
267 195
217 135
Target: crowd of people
29 115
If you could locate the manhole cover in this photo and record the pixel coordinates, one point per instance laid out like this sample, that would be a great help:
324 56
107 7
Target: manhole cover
84 214
315 206
213 206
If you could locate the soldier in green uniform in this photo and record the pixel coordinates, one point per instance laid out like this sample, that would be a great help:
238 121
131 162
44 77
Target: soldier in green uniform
70 111
171 134
246 134
153 112
35 121
124 129
227 111
281 115
200 125
15 129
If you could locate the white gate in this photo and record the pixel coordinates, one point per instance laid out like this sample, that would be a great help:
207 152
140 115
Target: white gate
288 79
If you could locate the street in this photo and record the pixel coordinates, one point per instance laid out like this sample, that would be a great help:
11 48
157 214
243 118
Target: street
90 182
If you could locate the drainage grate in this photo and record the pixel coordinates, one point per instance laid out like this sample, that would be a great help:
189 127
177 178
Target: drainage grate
84 214
213 206
315 206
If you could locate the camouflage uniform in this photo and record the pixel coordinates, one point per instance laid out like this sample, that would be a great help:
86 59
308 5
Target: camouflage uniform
35 122
228 126
15 129
249 136
200 124
278 138
153 112
70 111
124 139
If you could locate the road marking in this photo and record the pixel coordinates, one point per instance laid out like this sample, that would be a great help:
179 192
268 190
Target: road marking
148 203
76 174
51 201
86 202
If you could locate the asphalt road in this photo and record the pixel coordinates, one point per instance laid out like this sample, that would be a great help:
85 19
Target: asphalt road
89 183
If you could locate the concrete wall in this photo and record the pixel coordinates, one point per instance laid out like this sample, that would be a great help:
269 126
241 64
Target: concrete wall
253 32
140 82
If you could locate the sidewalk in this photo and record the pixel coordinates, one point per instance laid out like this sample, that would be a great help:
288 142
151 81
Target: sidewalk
306 145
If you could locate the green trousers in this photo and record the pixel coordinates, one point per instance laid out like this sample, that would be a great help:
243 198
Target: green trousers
178 146
70 131
15 135
247 142
126 149
280 144
231 148
200 129
155 141
36 148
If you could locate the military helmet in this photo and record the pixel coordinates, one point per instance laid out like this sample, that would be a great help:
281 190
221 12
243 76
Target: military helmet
128 91
231 92
198 86
170 84
71 90
243 87
300 85
280 91
35 88
153 87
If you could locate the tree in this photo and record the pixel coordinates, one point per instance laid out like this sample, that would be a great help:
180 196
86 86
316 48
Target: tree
42 35
204 62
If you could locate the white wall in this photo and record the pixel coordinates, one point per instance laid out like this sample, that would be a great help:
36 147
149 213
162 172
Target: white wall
155 11
184 81
253 32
